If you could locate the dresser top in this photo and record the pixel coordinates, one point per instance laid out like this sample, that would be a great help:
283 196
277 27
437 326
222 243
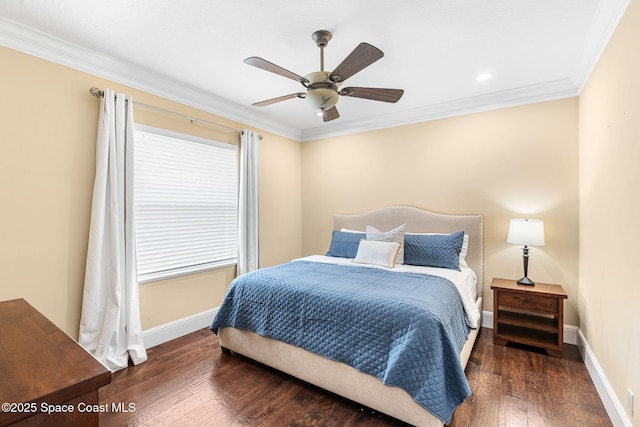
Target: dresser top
39 362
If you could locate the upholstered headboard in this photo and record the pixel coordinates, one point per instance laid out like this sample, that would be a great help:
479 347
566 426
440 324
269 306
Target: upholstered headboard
422 221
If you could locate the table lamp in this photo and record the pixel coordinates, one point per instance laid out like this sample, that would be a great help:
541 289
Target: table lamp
527 232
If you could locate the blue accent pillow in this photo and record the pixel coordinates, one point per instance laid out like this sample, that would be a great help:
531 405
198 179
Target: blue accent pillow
437 250
344 244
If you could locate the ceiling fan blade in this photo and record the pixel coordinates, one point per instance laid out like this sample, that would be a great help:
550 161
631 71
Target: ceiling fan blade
330 114
361 57
376 94
278 99
269 66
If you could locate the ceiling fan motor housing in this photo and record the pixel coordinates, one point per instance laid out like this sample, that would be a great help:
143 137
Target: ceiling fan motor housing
322 93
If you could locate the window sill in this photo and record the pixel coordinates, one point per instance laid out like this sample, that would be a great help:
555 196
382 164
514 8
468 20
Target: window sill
163 275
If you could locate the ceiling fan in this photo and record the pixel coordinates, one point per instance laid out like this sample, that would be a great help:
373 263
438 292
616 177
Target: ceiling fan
322 87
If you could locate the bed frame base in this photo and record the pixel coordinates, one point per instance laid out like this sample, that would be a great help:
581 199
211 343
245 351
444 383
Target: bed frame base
333 376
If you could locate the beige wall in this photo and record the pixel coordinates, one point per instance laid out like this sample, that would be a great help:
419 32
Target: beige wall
510 163
515 162
48 123
610 209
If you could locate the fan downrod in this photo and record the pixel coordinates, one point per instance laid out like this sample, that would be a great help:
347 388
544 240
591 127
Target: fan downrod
321 37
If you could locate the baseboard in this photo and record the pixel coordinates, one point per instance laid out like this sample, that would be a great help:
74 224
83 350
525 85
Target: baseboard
172 330
573 335
614 408
570 332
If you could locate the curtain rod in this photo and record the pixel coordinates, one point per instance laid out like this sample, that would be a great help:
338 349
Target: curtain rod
99 93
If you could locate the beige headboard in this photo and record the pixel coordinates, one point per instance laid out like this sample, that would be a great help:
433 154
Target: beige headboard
422 221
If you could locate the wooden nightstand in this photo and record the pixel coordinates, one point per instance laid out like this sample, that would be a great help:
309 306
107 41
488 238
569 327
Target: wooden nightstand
531 315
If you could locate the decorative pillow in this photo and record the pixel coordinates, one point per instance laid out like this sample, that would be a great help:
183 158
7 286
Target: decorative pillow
344 244
348 230
435 250
395 235
377 252
463 251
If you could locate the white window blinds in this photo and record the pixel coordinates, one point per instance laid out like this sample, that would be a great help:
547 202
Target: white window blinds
186 200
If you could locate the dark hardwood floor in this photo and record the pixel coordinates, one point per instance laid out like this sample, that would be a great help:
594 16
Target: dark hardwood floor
189 382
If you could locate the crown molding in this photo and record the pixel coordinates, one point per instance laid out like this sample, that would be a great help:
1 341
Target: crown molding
39 44
606 19
605 22
549 91
28 40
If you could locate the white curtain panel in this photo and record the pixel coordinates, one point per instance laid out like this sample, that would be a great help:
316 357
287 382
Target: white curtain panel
110 323
248 219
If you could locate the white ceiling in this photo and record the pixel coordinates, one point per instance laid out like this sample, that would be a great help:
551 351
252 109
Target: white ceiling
192 52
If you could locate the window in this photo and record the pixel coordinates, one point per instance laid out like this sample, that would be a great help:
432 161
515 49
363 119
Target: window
186 201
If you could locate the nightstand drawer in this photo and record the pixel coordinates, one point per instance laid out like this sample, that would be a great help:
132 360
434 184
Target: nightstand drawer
528 302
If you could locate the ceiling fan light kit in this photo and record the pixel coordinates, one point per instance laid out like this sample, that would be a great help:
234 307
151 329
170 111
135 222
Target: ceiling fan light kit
322 93
322 87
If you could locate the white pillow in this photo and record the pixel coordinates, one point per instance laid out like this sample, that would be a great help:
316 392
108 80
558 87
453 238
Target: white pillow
377 252
394 235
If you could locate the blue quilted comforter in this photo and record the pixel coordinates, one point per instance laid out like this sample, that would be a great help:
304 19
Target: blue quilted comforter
405 329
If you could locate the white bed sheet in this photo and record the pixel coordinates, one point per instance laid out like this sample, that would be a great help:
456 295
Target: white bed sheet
464 280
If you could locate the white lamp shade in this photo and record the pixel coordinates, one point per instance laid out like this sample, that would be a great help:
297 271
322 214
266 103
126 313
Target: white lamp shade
527 232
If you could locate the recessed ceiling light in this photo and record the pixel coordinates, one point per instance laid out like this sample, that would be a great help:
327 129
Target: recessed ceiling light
483 77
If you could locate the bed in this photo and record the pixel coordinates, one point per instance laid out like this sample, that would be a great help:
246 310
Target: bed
353 378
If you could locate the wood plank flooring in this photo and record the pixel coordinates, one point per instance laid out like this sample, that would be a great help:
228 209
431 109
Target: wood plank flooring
190 382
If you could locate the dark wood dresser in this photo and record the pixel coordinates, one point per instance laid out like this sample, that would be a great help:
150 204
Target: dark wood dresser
46 378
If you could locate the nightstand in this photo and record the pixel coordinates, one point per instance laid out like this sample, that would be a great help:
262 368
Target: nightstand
531 315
